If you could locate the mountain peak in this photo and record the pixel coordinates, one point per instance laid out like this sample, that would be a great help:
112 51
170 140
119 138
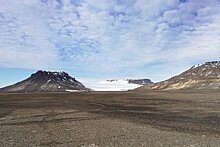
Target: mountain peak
51 72
212 64
47 81
201 76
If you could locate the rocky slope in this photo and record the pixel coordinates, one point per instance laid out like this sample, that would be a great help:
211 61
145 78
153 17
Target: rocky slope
202 76
47 81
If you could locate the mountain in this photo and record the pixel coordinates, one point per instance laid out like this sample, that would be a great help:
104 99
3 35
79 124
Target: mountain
117 85
201 76
47 81
140 81
134 81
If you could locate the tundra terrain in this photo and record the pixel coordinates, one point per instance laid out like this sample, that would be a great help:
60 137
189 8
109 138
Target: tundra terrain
117 119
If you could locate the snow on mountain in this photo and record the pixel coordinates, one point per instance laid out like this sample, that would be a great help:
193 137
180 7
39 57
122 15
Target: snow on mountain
113 85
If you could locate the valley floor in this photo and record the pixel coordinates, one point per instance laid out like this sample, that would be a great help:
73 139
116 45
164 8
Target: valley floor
117 119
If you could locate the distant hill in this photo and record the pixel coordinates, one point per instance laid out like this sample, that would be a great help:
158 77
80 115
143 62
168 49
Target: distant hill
202 76
47 81
134 81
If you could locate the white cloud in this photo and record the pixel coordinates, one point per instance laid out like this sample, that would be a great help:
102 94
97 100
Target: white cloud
23 37
110 36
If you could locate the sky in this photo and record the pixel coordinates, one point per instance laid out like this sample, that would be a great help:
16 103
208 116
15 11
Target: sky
107 39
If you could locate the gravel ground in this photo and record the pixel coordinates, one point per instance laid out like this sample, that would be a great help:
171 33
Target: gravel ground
110 119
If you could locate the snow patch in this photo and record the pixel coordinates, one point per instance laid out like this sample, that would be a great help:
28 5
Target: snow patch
195 66
53 72
68 90
110 85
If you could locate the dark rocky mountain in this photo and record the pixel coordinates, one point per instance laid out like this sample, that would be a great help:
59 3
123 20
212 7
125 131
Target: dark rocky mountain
135 81
47 81
202 76
140 81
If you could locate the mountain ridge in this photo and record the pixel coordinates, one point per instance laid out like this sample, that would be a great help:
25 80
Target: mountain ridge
46 81
134 81
201 76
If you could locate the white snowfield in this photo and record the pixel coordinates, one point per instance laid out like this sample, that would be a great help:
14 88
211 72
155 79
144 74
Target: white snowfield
116 85
68 90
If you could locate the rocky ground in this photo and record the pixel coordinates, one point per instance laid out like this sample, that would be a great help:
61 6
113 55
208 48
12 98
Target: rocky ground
203 76
118 119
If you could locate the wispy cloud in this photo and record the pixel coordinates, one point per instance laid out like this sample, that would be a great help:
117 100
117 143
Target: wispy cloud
102 37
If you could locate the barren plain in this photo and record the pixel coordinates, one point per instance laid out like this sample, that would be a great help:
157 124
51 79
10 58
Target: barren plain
111 119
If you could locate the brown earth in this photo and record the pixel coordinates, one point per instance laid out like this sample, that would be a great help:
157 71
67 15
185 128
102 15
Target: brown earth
151 118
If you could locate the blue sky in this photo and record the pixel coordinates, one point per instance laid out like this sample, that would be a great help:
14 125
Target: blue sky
106 39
